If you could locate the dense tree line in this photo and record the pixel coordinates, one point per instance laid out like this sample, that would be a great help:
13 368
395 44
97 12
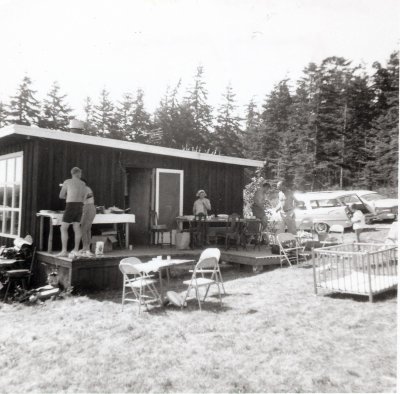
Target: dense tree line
336 126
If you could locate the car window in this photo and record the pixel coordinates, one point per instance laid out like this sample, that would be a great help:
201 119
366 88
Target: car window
325 203
349 199
373 197
300 204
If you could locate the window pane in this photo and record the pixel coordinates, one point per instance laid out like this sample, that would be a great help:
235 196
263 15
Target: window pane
11 170
1 220
1 197
18 169
17 189
15 223
8 222
2 171
8 195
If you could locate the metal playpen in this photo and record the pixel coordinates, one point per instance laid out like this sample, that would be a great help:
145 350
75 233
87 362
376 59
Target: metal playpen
356 268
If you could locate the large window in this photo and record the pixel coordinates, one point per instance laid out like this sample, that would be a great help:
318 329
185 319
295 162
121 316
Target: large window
10 194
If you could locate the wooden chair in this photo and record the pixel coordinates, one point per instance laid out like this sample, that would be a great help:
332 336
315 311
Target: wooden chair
205 274
157 231
22 275
231 231
139 284
197 230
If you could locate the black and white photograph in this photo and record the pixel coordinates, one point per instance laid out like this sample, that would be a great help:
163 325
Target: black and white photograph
199 196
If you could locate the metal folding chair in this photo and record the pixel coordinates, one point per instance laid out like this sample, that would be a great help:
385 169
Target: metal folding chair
138 283
289 248
205 274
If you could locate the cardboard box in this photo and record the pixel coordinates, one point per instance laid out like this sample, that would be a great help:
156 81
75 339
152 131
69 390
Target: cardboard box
108 240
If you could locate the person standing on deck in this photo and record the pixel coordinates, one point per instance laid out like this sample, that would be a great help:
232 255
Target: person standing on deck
88 215
260 203
286 209
73 191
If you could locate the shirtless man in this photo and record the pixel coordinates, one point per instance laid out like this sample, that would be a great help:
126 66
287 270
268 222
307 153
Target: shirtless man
73 191
260 200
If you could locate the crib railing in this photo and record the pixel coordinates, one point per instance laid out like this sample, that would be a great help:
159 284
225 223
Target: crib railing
355 268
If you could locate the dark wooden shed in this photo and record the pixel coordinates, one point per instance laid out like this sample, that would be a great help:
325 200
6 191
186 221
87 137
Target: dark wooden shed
35 161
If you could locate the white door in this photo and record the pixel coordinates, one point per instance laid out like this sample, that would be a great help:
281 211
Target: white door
168 195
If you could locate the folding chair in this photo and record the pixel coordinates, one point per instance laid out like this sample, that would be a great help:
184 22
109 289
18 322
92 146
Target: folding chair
205 274
335 235
216 253
137 283
289 248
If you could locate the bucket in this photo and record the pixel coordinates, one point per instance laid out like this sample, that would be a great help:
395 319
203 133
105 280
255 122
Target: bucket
182 240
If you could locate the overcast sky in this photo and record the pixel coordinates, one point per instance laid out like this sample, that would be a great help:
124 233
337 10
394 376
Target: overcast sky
121 45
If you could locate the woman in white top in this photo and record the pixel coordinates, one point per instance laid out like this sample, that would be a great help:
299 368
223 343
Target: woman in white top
88 214
202 204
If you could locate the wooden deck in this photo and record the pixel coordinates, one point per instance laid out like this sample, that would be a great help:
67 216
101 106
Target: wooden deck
102 272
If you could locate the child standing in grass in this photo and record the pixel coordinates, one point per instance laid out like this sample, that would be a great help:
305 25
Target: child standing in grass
358 220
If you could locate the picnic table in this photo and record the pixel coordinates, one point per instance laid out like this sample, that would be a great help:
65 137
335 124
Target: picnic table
157 265
101 218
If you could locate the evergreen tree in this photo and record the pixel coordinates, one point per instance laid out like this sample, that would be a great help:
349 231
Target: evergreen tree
123 114
168 129
252 137
228 133
141 123
197 113
104 117
275 129
3 115
24 108
89 122
56 114
385 130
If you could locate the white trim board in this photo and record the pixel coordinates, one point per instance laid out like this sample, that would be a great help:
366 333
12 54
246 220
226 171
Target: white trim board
58 135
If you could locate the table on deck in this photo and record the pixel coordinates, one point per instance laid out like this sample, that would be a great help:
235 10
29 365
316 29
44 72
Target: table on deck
100 218
158 266
213 221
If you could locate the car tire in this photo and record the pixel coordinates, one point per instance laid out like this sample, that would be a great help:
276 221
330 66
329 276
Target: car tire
321 227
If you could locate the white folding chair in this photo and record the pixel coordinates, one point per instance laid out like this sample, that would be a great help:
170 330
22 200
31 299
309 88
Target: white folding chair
138 283
335 235
205 274
213 252
289 248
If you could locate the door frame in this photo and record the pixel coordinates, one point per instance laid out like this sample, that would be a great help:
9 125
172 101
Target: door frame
157 186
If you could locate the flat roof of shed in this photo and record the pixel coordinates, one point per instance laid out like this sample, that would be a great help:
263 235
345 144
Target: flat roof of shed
58 135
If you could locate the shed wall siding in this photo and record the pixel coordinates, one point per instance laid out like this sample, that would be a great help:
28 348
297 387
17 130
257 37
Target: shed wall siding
48 164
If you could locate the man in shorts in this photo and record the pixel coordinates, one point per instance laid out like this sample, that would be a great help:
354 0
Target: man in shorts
73 191
286 209
260 202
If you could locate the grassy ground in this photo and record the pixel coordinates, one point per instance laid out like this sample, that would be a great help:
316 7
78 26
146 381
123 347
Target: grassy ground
270 335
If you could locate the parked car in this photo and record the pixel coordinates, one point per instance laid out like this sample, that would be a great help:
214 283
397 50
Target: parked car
381 207
322 208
